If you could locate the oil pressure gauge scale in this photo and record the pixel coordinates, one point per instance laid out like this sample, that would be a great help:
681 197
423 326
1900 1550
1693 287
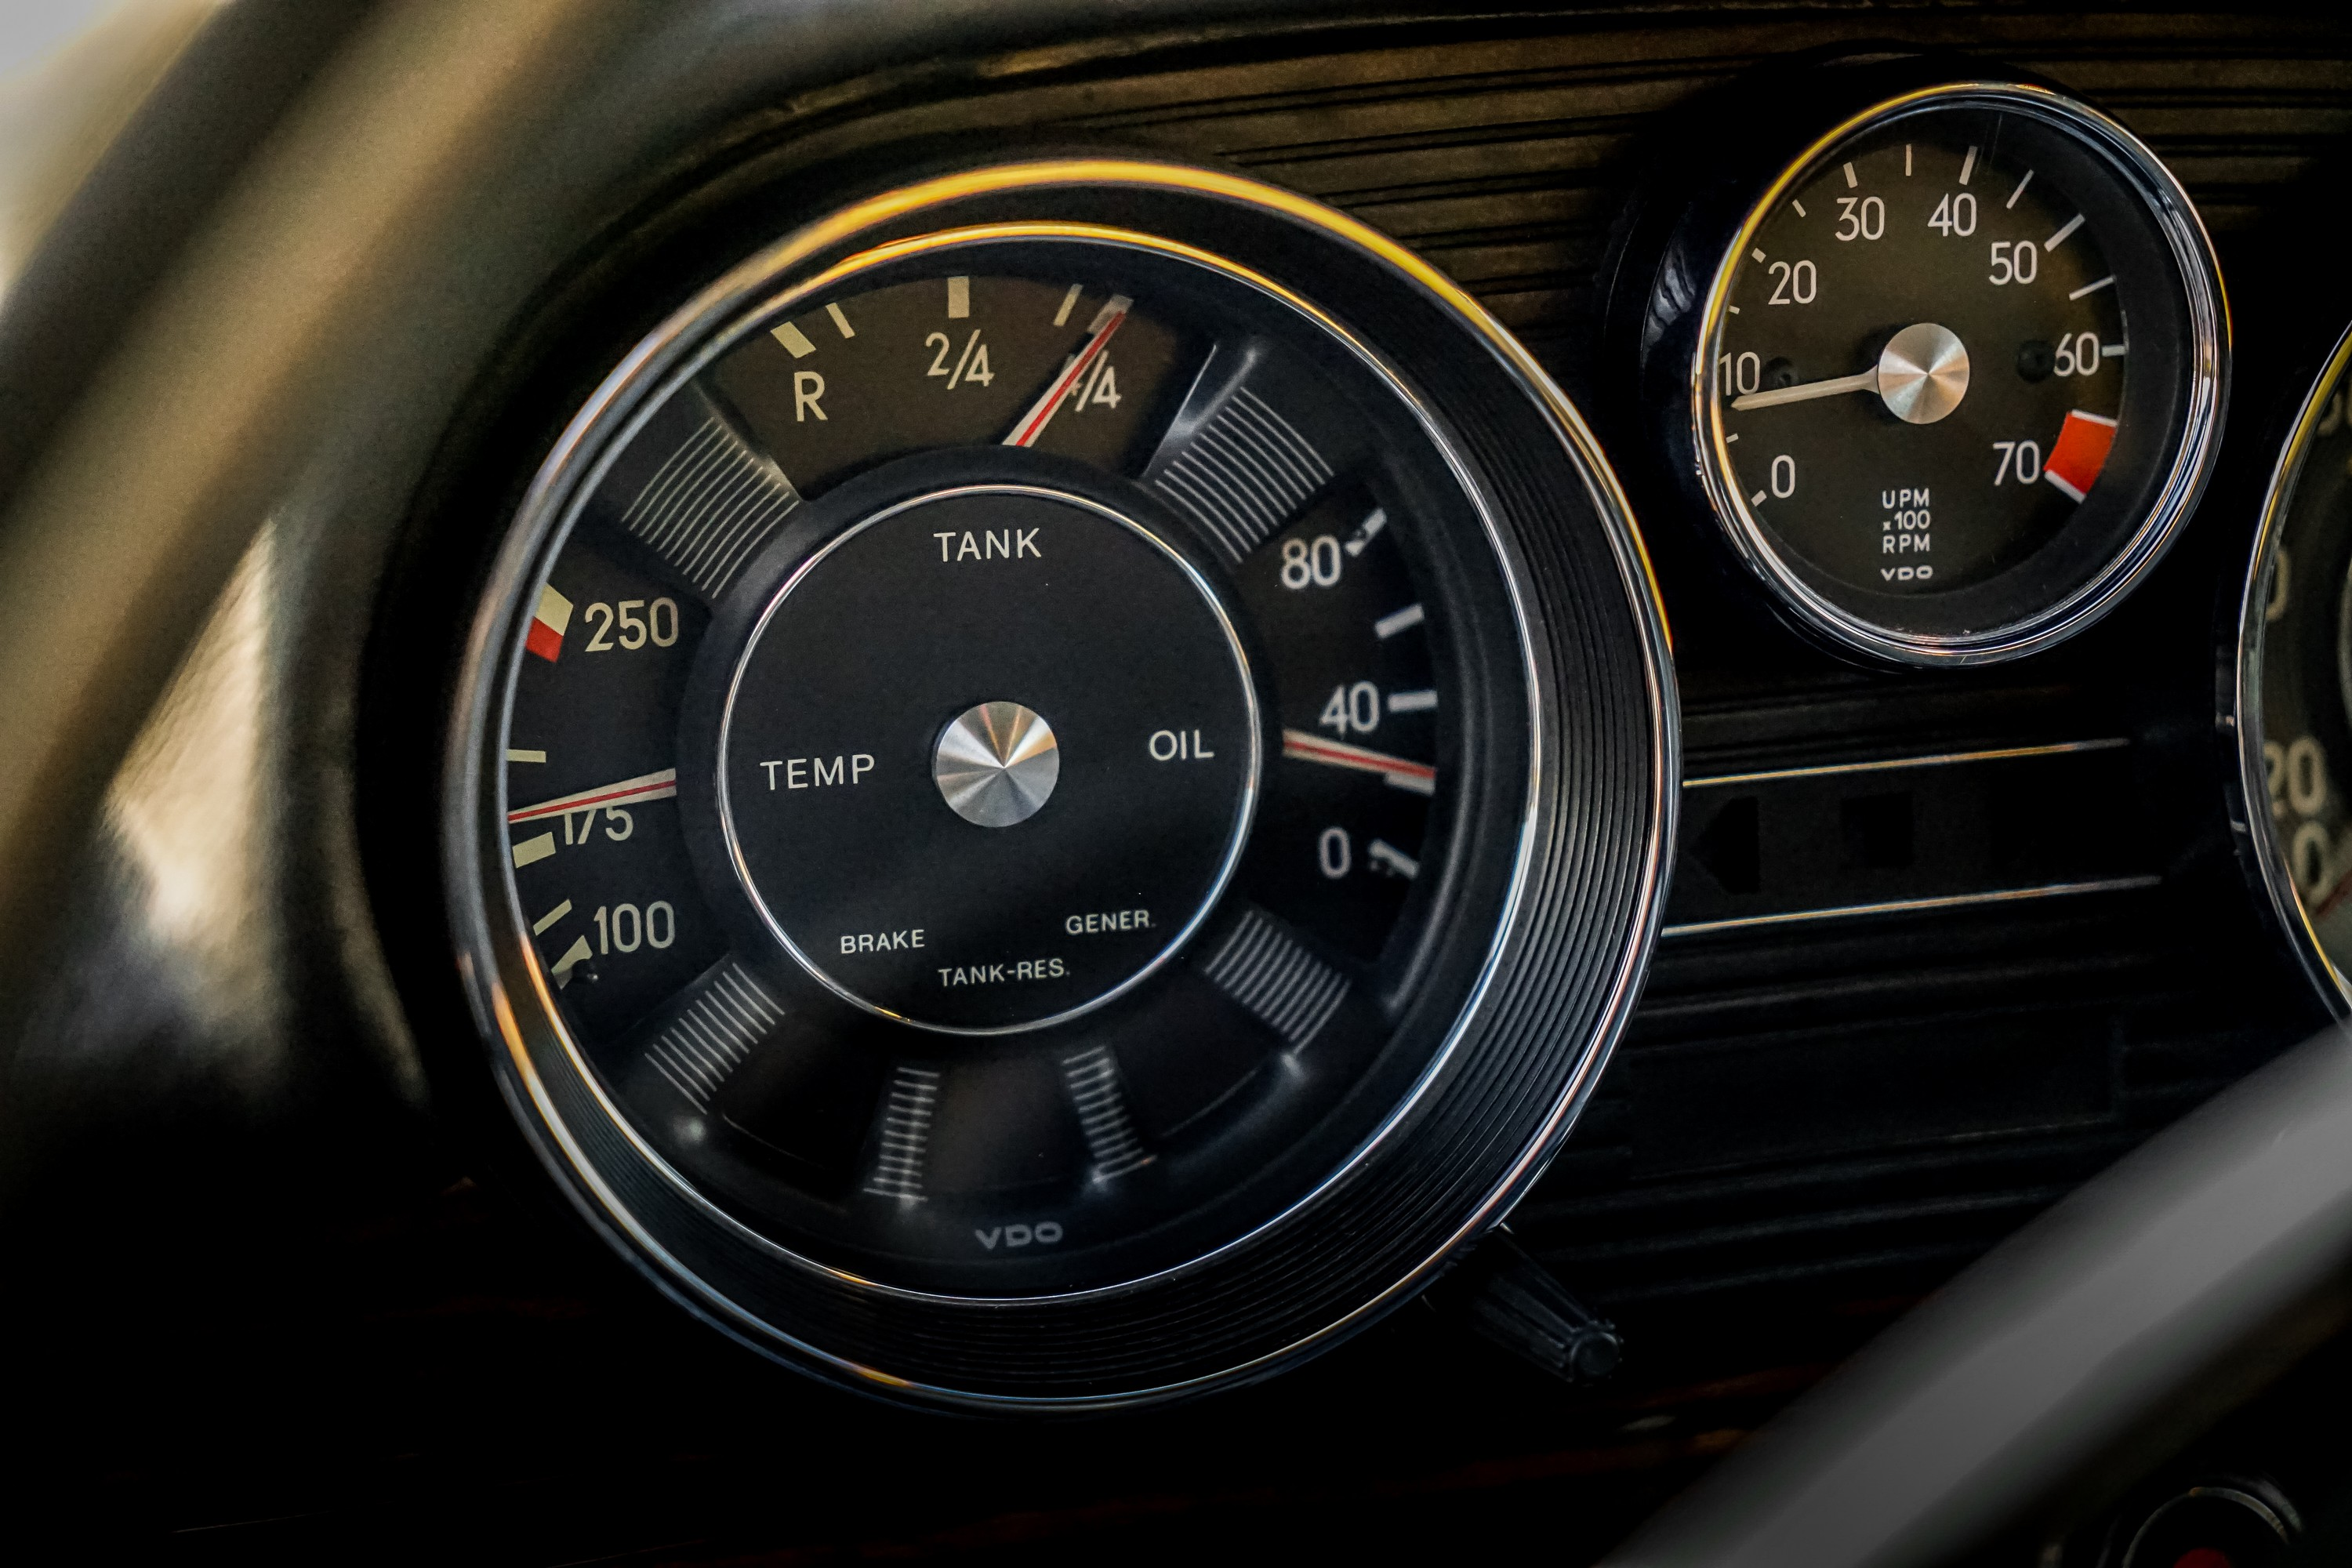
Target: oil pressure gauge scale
1954 378
1009 807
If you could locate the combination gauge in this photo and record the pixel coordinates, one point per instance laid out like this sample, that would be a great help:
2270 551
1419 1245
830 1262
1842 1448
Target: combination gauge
1946 369
1039 821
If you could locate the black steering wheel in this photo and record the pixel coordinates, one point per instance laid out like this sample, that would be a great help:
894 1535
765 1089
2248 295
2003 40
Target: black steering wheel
2070 1361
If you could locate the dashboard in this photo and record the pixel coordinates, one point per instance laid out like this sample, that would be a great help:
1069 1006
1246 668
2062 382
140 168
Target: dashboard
1413 755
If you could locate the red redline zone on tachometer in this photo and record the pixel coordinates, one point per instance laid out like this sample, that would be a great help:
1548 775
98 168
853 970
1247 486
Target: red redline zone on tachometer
2084 442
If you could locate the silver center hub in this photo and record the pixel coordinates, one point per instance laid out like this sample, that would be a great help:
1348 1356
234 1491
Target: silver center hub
997 764
1924 374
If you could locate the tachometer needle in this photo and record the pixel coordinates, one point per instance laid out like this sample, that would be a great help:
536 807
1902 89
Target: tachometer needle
1836 387
1921 375
1402 773
1041 413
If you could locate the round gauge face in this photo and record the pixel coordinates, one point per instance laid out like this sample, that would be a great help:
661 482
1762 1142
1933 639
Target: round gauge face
2296 685
1050 825
986 777
1960 374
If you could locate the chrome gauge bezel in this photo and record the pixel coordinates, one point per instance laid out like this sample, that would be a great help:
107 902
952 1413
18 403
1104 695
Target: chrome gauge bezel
1561 970
2194 265
2251 783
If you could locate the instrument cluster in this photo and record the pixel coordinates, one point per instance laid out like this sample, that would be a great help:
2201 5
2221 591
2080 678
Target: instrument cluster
1061 783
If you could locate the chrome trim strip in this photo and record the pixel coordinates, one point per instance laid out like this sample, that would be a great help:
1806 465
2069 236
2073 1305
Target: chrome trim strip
2208 354
1889 764
1914 906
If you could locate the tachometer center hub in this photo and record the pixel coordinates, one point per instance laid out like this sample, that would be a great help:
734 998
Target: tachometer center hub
1923 373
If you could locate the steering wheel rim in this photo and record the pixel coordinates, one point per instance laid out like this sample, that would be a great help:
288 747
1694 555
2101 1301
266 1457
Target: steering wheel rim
295 366
2069 1361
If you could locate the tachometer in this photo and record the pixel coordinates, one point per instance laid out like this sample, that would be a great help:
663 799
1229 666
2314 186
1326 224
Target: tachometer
1949 378
1053 824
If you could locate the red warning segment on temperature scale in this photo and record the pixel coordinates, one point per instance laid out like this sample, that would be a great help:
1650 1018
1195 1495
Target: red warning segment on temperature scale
547 626
2081 451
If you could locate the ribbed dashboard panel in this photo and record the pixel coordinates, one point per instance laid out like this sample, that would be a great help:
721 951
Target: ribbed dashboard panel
1856 1104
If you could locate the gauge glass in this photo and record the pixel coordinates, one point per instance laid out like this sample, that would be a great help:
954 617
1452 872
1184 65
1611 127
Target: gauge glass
2296 685
1961 374
985 769
1036 818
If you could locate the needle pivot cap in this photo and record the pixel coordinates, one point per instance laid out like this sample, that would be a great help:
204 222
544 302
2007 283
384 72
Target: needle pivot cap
997 764
1923 374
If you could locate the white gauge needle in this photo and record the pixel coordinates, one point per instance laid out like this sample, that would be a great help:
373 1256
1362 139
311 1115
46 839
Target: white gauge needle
1041 413
1421 778
1866 381
1921 375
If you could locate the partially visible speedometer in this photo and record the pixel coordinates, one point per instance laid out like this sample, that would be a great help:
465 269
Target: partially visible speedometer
2293 706
1029 782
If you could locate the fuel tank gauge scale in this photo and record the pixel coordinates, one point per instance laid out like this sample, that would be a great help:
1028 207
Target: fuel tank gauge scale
1949 378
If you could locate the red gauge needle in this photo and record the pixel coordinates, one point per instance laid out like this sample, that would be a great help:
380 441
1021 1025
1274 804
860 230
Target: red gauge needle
646 787
1421 778
1041 413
